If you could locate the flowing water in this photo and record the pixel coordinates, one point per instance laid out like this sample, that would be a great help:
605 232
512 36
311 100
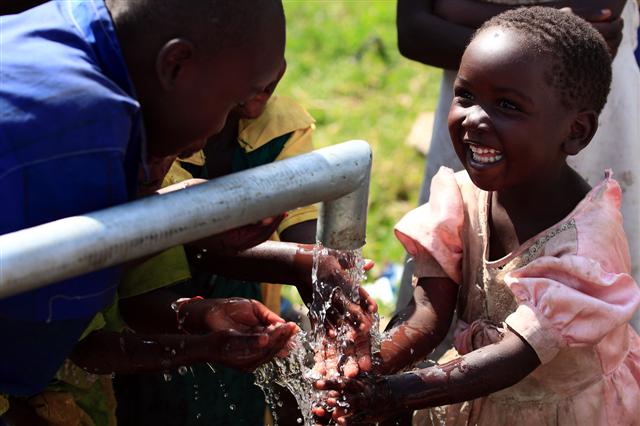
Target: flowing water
296 372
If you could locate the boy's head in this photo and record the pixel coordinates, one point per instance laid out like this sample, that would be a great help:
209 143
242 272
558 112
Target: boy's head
193 61
254 107
580 61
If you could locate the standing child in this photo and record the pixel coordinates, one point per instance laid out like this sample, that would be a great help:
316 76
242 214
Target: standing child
536 261
435 32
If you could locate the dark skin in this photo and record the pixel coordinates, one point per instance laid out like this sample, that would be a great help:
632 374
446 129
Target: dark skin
522 161
494 108
212 324
187 89
219 152
248 332
421 25
290 263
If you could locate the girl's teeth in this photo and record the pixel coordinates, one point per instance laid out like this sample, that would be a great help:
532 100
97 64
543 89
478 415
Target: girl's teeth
485 154
487 159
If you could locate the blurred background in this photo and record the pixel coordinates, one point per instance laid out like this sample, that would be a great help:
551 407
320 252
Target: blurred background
345 69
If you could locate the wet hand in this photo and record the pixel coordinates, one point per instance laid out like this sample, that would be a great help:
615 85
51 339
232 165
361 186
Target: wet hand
346 316
366 398
346 348
244 333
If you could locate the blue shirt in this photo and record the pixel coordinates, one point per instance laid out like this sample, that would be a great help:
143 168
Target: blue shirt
71 138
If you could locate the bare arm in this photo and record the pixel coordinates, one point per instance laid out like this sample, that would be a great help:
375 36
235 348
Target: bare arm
271 261
425 37
137 353
436 32
468 377
421 326
239 333
479 373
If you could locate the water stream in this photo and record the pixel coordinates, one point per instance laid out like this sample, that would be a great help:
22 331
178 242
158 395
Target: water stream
296 372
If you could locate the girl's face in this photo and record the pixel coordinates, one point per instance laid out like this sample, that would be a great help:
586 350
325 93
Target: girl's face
506 123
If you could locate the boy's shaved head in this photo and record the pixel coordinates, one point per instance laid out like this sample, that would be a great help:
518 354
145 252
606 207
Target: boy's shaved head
215 24
193 61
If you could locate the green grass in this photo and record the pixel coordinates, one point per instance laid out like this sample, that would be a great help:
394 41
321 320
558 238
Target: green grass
345 68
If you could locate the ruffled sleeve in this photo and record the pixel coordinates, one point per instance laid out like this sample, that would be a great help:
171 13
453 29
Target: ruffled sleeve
569 301
577 298
431 233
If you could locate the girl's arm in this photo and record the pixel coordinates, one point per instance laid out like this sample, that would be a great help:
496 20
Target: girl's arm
476 374
421 326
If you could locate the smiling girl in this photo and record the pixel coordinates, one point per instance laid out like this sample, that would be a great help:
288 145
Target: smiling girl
535 260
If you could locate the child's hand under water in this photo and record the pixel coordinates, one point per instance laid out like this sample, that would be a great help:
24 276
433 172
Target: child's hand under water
364 399
348 354
344 316
346 347
244 333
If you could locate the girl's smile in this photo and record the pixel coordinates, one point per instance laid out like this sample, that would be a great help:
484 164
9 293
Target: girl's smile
482 156
506 122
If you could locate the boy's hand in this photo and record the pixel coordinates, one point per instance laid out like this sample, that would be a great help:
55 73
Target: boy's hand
243 333
240 239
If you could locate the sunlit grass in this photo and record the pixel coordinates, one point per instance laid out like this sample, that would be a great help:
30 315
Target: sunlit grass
344 67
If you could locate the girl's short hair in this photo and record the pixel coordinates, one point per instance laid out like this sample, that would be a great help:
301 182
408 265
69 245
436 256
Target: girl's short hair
581 63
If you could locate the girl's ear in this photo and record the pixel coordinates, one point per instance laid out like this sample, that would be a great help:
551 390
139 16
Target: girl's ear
171 61
583 128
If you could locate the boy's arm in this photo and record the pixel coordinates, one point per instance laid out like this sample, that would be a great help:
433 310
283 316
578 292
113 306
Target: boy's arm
239 333
479 373
271 261
421 326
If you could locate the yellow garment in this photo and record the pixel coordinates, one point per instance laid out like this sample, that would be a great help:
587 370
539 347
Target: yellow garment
282 115
78 399
165 269
4 404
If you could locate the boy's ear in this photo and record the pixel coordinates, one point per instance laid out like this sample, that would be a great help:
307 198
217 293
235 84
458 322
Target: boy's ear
171 60
583 128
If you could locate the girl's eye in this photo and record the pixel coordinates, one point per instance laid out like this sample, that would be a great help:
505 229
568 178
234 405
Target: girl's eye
508 105
464 95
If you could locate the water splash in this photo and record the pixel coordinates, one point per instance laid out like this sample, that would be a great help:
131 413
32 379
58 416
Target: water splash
296 372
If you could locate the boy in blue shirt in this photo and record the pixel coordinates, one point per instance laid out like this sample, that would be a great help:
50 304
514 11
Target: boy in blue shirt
92 93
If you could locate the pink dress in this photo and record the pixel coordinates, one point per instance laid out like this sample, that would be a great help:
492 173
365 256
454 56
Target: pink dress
567 291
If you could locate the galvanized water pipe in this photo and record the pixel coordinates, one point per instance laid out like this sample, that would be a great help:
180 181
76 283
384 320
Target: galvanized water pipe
338 175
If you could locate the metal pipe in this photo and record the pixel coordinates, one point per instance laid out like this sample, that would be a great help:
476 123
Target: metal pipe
48 253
